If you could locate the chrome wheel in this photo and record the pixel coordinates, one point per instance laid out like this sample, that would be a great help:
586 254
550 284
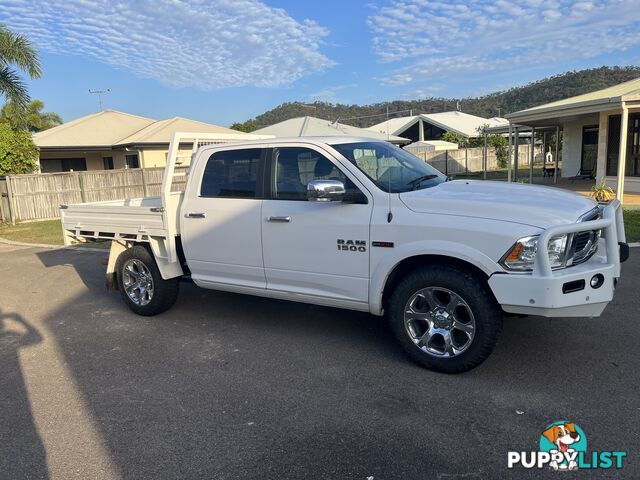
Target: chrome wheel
137 282
439 322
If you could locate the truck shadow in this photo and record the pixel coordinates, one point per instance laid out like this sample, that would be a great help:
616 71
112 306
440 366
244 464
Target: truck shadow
18 432
232 383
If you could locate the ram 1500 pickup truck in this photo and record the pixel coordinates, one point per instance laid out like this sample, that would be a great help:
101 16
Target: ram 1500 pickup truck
360 224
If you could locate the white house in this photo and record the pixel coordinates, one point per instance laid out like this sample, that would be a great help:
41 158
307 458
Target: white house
431 126
110 139
318 127
600 132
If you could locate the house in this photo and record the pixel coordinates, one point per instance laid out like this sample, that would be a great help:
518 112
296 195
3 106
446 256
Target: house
600 133
431 126
317 127
110 139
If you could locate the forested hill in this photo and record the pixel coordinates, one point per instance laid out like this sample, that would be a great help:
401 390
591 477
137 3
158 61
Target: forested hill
536 93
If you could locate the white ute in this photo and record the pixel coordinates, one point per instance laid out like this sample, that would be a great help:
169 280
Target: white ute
360 224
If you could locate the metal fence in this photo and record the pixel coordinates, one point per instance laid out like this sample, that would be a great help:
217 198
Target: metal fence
469 160
37 196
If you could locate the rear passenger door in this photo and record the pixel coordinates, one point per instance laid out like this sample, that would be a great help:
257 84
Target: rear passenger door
221 219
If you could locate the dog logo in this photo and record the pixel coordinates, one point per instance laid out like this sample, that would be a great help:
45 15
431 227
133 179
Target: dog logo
563 447
563 440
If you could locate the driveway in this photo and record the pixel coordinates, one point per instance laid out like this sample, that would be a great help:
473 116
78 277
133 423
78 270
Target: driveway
230 386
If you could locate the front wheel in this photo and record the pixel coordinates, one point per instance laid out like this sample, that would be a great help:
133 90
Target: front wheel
445 318
141 285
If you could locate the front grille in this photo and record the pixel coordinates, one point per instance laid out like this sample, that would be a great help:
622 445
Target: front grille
584 245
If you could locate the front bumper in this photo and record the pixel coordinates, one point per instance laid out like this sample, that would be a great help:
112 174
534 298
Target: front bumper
567 292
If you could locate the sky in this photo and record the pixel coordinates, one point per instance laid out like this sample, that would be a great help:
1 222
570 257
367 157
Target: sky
223 61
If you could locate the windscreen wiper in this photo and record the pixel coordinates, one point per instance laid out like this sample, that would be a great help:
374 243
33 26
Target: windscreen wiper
416 182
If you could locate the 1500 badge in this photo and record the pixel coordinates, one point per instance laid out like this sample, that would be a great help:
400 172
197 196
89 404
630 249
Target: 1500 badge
352 245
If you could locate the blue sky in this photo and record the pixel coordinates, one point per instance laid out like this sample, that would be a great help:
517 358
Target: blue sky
225 61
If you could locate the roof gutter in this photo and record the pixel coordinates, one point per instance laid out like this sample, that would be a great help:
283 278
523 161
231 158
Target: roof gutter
579 108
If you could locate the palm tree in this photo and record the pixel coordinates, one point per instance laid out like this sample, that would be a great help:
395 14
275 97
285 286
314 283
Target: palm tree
31 118
16 51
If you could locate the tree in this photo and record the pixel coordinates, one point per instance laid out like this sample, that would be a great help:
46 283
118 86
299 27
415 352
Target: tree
500 145
16 51
463 142
32 118
247 127
18 153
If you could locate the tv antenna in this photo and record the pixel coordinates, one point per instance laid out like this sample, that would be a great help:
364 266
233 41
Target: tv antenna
100 93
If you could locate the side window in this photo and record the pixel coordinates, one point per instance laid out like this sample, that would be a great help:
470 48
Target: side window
232 173
293 167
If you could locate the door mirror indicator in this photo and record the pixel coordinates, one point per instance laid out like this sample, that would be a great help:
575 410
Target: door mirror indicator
325 191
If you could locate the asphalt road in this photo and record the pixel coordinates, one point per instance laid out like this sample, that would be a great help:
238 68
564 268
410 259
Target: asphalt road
227 386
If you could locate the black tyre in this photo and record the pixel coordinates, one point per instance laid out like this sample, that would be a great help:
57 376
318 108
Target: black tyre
141 285
445 318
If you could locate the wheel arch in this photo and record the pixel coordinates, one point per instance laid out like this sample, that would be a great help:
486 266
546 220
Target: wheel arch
388 274
156 249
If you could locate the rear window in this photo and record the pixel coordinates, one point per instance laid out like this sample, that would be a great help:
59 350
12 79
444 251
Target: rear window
232 174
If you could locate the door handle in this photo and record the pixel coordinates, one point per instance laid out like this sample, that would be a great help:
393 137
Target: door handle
196 215
286 219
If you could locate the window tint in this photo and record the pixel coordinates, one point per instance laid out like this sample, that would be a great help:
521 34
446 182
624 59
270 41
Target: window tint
232 173
107 163
293 168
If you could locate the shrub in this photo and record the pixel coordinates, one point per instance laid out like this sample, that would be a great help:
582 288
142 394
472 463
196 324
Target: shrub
18 153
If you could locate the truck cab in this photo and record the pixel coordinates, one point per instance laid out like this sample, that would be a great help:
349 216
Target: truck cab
360 224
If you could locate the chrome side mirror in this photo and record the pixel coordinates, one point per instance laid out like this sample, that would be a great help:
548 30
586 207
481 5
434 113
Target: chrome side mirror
325 191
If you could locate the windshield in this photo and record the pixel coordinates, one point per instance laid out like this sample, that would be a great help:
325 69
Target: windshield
389 167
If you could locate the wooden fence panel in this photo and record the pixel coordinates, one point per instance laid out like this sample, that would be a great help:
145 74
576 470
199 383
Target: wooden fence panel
5 211
103 185
153 180
37 196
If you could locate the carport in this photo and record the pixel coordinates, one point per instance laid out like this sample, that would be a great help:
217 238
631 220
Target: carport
602 125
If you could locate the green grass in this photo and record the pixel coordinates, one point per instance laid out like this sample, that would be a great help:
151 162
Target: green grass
47 232
50 231
632 225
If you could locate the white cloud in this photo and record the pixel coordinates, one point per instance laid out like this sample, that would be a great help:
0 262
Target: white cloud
207 44
430 40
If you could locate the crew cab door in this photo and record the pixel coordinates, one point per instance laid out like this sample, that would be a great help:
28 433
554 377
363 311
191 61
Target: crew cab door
312 247
220 219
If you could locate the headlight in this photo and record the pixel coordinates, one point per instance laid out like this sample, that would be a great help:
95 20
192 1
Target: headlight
522 255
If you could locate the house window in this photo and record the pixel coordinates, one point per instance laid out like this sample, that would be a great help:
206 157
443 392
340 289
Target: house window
613 145
589 149
632 165
633 158
52 165
132 161
108 163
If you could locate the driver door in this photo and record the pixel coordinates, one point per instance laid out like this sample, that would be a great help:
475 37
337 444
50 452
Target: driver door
316 248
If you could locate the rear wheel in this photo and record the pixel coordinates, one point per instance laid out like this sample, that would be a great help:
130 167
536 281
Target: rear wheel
141 285
445 318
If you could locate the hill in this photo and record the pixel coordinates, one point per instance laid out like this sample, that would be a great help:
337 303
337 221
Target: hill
542 91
